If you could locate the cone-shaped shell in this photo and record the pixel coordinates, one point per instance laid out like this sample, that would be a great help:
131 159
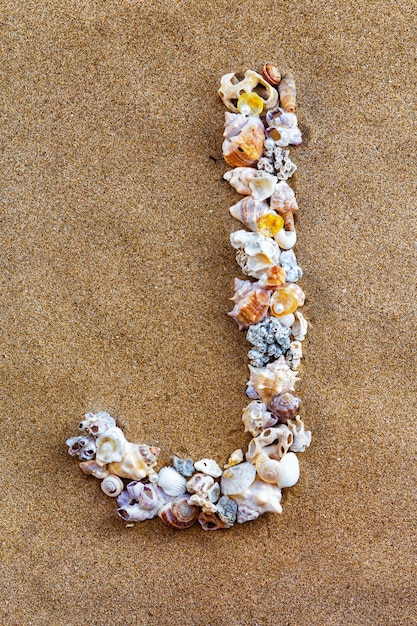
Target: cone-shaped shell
287 93
178 514
244 148
283 199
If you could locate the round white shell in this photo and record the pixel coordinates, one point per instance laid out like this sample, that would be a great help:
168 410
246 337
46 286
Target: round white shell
237 478
209 467
112 486
289 470
171 481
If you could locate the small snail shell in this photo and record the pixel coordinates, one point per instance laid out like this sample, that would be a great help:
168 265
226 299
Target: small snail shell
112 486
271 74
178 513
287 94
268 469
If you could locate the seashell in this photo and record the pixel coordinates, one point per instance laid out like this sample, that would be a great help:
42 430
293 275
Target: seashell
298 292
256 418
96 424
234 459
209 467
272 380
183 466
268 469
134 513
203 502
286 239
244 147
287 94
178 514
231 89
227 510
134 464
111 446
91 468
299 327
240 177
249 211
83 446
270 224
287 320
289 470
209 521
289 264
112 486
278 159
256 253
200 483
284 406
273 278
294 355
271 74
262 185
251 309
272 442
171 481
282 128
284 203
283 301
302 437
250 104
257 499
237 478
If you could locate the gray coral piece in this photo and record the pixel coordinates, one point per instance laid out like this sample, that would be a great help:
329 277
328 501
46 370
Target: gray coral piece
270 340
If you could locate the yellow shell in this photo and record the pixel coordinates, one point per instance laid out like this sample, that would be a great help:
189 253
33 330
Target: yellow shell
283 302
250 104
270 224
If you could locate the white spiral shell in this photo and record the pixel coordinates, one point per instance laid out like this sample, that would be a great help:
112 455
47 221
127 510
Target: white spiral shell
112 486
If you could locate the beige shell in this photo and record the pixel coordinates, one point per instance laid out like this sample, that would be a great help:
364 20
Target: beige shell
294 354
272 442
235 458
210 521
111 446
244 140
273 379
259 498
302 437
178 514
251 309
287 94
256 253
237 478
134 465
256 418
203 502
200 483
91 468
249 211
240 177
286 239
299 327
112 486
284 203
171 481
231 88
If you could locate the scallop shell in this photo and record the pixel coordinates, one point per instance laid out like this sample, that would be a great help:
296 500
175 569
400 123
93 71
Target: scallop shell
244 146
256 253
256 418
271 74
299 327
178 514
284 406
237 478
209 467
249 211
287 94
210 521
111 446
112 486
302 437
259 498
231 89
272 380
171 481
251 309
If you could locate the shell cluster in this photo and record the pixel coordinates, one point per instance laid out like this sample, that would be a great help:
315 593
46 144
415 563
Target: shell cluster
259 124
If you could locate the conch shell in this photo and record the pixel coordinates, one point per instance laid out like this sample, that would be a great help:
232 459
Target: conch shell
273 379
287 93
256 253
244 139
248 180
231 88
252 308
250 211
257 499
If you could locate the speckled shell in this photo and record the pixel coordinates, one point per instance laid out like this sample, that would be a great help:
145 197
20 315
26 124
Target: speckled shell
171 481
237 478
287 94
249 211
256 253
178 514
112 486
252 308
302 437
284 406
259 498
244 140
256 418
272 380
231 88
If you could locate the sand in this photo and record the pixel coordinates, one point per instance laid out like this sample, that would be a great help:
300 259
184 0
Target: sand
116 278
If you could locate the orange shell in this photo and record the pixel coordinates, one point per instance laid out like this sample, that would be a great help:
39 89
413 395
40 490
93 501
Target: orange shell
271 74
283 302
247 146
270 224
275 277
286 89
251 309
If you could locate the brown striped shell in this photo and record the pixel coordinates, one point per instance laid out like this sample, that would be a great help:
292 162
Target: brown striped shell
287 94
252 309
271 74
284 406
178 513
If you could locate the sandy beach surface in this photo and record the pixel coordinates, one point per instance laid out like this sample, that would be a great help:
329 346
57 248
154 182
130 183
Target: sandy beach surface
116 276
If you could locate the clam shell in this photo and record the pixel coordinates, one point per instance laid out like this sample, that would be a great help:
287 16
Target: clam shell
171 481
178 514
237 478
112 486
